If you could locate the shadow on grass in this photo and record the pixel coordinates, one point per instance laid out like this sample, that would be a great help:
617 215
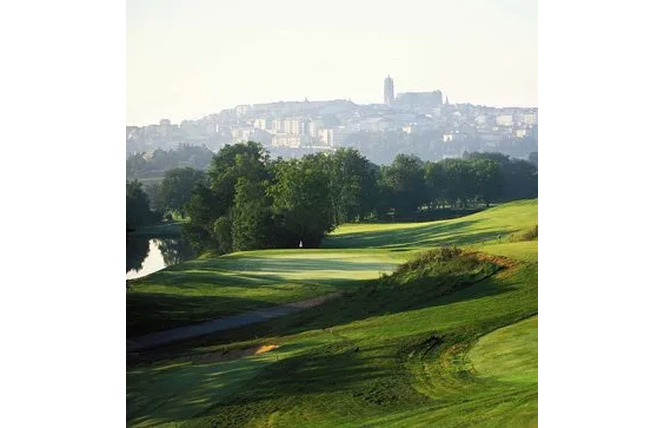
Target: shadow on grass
341 367
458 233
197 295
372 301
365 371
150 312
277 265
365 299
253 271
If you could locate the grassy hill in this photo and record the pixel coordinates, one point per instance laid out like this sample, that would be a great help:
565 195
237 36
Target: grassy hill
445 342
483 227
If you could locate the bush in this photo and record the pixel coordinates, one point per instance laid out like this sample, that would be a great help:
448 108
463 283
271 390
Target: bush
529 235
448 268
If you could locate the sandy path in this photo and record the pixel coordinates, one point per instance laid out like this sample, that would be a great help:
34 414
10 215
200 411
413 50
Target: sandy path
187 332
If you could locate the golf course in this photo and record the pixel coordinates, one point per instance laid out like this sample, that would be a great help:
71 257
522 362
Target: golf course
408 324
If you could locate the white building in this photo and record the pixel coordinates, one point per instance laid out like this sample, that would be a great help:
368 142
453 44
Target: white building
325 137
531 118
286 140
504 120
260 123
520 133
242 110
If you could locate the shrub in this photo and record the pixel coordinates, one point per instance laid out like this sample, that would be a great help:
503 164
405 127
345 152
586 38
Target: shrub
529 235
447 268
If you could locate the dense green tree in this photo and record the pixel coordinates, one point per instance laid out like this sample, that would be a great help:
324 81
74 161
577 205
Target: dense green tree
459 181
211 203
223 233
519 177
353 183
203 210
248 160
435 182
251 216
176 189
487 180
137 206
405 182
302 201
249 201
521 180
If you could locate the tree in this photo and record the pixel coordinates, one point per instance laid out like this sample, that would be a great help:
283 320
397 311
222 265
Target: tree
203 210
251 224
211 203
177 187
222 232
459 181
137 206
521 180
404 179
488 181
248 160
353 182
435 182
302 202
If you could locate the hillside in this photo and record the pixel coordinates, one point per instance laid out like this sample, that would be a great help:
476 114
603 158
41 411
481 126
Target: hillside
446 341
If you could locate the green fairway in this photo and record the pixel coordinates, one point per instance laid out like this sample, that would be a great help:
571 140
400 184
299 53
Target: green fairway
486 226
205 288
447 344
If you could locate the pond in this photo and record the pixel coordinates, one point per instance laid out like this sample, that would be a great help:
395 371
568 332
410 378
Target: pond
146 255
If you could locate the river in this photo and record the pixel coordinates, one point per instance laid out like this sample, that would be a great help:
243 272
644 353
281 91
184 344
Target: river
146 255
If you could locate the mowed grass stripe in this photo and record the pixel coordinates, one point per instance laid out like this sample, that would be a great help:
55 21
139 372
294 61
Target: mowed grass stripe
485 226
213 287
508 354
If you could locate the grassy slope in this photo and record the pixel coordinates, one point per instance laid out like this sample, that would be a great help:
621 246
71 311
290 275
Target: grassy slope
206 288
375 357
483 227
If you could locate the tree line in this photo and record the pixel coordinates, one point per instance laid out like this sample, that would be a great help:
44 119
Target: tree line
185 155
245 200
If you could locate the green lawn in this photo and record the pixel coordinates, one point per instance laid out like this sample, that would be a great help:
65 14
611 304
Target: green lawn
377 356
206 288
488 226
508 354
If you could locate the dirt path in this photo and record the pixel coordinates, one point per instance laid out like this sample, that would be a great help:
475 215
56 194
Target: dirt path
153 340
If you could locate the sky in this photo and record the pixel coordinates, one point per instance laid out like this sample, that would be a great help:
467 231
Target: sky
187 59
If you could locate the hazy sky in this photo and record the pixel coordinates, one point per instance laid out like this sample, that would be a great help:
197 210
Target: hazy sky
186 59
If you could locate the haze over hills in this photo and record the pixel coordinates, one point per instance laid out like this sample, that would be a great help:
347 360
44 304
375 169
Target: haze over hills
424 123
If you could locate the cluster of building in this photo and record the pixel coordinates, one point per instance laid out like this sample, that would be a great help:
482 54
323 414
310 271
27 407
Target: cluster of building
324 125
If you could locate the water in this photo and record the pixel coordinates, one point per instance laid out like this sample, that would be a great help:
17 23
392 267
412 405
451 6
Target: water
147 255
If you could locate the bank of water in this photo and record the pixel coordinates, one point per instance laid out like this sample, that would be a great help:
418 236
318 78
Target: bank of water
145 255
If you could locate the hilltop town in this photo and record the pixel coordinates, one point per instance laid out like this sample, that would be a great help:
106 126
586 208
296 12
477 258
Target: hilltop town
426 124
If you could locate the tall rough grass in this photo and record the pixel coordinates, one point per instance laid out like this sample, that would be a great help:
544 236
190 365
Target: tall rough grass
447 267
529 235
